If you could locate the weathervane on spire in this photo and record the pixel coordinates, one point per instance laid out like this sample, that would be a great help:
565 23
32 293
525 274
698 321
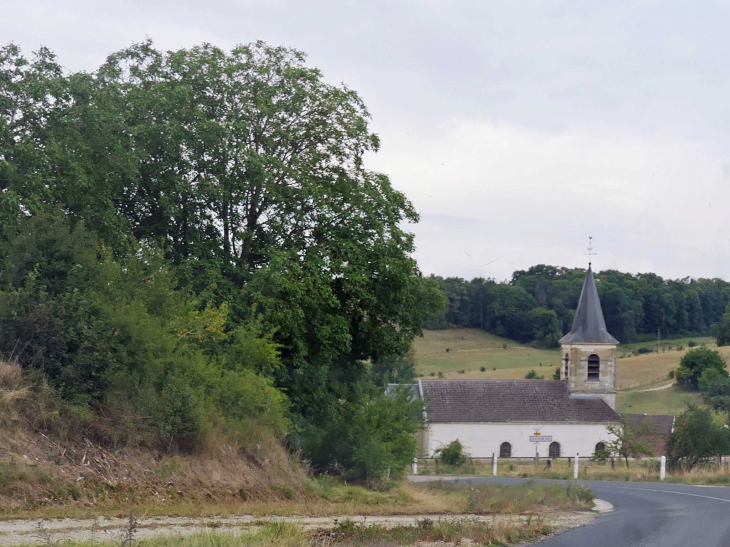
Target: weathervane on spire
590 254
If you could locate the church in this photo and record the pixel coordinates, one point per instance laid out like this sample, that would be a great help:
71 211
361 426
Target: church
522 418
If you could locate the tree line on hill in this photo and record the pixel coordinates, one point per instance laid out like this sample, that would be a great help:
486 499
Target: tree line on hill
538 304
192 247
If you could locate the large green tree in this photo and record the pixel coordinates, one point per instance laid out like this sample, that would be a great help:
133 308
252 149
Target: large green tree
698 435
696 362
246 170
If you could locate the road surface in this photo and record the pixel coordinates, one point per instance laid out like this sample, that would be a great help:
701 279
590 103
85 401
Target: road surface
648 514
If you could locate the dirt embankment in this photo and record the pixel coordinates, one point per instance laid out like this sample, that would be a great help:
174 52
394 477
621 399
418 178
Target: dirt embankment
36 471
47 460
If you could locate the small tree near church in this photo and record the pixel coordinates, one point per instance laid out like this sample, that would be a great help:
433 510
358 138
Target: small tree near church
626 441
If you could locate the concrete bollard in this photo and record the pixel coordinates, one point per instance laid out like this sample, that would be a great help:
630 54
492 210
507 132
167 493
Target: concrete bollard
575 466
494 464
663 468
414 466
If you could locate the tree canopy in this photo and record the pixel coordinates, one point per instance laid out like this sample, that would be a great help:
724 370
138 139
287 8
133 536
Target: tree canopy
696 363
538 304
237 180
698 435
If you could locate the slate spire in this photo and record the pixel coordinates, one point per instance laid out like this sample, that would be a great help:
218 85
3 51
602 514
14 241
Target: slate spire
589 327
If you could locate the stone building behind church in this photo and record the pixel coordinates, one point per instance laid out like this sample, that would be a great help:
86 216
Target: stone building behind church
506 417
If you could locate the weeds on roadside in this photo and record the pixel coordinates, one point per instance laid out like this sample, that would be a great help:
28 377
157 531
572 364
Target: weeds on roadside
130 530
44 536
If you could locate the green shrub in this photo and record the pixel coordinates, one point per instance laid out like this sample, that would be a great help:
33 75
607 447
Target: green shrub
694 363
691 343
452 454
532 375
643 350
482 369
371 435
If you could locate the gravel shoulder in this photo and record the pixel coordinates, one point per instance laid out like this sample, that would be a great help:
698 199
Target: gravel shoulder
14 532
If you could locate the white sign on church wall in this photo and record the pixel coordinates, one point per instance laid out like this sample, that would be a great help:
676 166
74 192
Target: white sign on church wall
541 438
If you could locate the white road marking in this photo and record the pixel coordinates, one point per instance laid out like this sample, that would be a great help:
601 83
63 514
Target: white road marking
668 492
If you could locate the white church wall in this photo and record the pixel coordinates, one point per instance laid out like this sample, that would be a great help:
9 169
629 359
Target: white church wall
481 440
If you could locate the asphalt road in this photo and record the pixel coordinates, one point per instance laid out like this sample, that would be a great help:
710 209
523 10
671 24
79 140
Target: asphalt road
648 514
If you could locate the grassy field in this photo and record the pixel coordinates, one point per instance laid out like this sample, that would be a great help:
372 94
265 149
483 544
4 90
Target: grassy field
470 350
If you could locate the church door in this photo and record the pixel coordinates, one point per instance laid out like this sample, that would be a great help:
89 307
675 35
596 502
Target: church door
554 451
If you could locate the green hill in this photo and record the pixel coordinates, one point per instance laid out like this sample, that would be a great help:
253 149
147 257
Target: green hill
451 351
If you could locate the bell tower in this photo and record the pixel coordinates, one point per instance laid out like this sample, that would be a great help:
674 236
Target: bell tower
588 351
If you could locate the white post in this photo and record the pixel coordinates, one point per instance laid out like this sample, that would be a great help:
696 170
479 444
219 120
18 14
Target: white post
494 465
414 466
663 468
575 466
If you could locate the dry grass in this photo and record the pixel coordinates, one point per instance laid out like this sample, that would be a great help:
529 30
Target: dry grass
530 497
49 458
644 470
334 499
12 384
456 531
346 533
470 349
323 498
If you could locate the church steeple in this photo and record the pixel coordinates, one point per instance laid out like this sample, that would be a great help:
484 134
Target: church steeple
589 351
589 326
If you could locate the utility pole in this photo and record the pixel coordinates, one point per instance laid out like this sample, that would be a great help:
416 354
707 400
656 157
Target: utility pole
659 340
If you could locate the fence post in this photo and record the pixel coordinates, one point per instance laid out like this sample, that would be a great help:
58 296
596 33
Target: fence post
663 467
494 464
414 466
575 466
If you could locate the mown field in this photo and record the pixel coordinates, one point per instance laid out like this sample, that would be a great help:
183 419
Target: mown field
463 353
667 401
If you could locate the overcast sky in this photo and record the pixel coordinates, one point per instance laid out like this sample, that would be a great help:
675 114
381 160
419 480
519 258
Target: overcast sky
517 128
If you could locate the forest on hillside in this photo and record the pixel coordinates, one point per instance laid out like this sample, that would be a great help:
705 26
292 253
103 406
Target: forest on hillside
192 249
537 305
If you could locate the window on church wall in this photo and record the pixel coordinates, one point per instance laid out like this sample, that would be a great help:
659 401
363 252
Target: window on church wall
554 450
566 361
600 447
594 368
505 450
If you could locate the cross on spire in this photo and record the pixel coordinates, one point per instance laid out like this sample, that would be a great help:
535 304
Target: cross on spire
590 254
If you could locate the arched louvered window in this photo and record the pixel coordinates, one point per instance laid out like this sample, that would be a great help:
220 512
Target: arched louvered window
594 368
505 450
600 447
554 450
566 362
